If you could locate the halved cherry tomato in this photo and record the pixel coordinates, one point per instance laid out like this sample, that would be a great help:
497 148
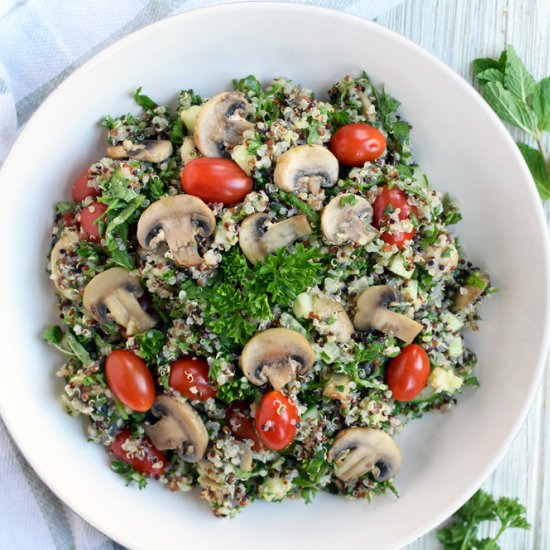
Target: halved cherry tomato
189 376
147 459
355 144
239 422
407 374
68 218
276 420
385 203
215 180
130 380
88 216
81 189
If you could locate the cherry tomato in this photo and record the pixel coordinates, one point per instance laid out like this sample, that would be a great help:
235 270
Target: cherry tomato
130 380
389 200
68 218
81 189
189 376
88 216
355 144
215 180
276 420
147 459
238 420
407 374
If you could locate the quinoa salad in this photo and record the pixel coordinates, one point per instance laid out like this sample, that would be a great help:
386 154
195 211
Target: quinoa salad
257 291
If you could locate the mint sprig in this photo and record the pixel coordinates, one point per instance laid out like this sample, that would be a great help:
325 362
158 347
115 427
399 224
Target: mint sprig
520 101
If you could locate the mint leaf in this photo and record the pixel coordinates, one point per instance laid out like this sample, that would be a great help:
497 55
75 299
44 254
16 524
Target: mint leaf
483 64
516 77
510 108
541 104
490 75
537 166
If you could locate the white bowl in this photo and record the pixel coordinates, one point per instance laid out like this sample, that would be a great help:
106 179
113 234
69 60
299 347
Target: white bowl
457 140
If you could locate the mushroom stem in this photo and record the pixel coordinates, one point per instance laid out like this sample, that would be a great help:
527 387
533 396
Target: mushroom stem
126 311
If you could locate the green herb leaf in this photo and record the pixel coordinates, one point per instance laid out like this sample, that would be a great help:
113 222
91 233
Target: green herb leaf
64 206
516 77
541 104
144 101
348 199
461 533
509 107
485 63
539 171
490 75
151 343
176 131
53 335
249 85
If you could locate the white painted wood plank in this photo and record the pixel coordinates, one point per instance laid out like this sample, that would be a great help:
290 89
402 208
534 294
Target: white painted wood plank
458 31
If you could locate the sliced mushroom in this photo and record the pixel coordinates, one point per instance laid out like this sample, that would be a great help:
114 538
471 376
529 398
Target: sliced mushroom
357 451
245 456
259 237
333 314
469 292
188 151
64 246
112 296
441 257
346 218
221 123
338 387
179 427
372 313
306 168
276 355
366 107
172 223
148 150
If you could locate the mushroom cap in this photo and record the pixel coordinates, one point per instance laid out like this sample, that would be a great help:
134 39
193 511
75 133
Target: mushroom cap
257 238
372 313
276 355
66 244
221 123
357 451
327 308
112 295
172 222
179 427
148 150
306 168
346 218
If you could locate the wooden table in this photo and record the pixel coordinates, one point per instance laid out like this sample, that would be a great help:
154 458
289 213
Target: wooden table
458 31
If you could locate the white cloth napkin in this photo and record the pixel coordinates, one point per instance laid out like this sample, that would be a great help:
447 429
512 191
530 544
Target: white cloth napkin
41 43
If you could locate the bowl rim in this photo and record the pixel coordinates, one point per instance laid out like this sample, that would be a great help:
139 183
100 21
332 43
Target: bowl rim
74 503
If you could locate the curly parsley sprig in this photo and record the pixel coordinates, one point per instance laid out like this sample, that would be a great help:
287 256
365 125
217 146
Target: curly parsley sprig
461 533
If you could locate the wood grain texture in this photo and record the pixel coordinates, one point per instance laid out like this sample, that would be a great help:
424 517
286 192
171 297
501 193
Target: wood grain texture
458 31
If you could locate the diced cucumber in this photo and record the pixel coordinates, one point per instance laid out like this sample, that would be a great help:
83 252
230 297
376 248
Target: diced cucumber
420 176
303 305
243 158
359 286
189 116
289 322
397 266
455 347
455 324
427 394
329 353
410 288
